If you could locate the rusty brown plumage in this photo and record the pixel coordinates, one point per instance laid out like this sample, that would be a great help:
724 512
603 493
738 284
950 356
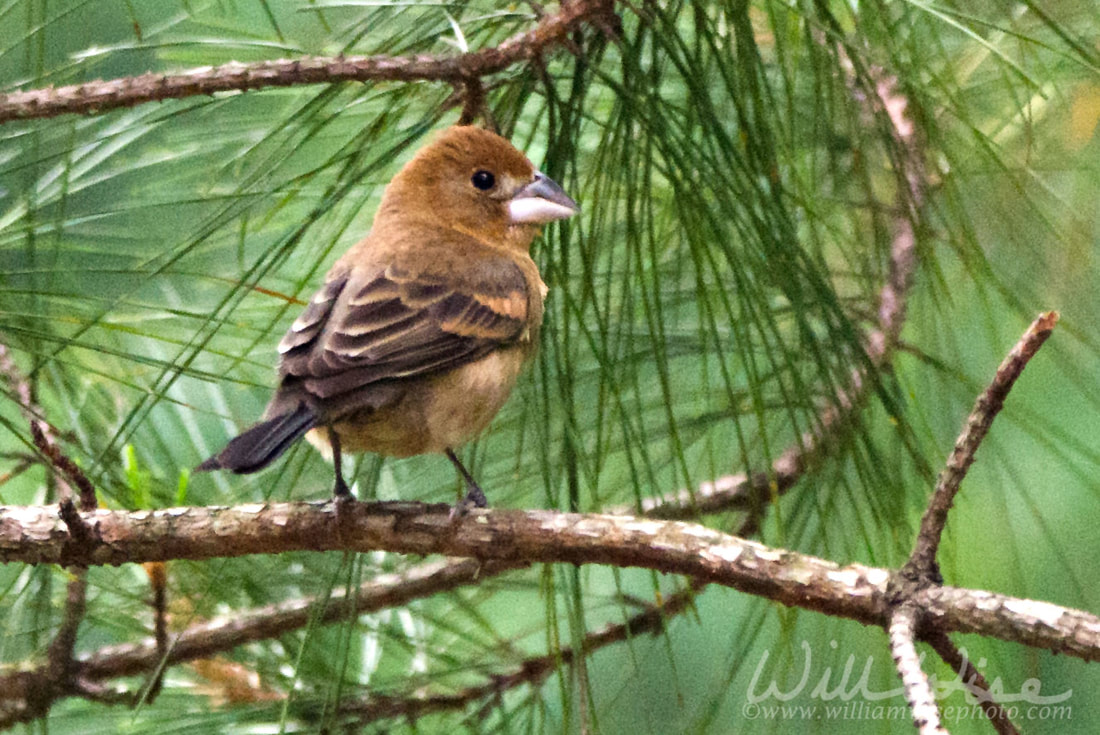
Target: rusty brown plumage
419 333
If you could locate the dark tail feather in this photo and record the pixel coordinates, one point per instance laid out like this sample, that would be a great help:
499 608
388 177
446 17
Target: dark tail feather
262 444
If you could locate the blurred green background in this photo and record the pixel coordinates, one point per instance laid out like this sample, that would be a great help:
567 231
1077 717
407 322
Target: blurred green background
740 198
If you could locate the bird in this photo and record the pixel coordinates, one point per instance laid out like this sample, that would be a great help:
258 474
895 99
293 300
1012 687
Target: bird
420 330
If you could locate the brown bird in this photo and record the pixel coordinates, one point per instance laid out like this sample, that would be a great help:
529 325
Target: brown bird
420 330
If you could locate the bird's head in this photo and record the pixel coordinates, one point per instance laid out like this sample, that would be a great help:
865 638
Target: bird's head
476 181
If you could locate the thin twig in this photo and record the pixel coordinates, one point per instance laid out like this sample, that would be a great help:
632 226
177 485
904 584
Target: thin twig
158 582
209 638
59 670
101 96
531 671
920 574
60 651
973 680
753 491
922 562
43 434
918 692
66 468
473 101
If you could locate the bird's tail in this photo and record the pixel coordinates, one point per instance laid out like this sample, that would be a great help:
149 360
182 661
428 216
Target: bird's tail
262 444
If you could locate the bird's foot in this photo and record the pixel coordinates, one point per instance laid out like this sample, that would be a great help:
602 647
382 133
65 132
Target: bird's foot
344 505
340 491
475 498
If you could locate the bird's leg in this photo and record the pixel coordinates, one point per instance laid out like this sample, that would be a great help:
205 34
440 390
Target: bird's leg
340 490
475 497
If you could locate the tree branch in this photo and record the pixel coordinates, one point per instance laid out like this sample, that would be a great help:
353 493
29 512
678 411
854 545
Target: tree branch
212 637
920 574
58 676
531 671
28 694
748 491
975 683
35 534
918 692
101 96
922 562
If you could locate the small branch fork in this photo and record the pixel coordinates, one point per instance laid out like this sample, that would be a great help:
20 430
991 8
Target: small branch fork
61 676
921 573
57 678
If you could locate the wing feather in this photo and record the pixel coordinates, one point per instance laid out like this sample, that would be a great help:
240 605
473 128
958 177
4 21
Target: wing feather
308 326
397 323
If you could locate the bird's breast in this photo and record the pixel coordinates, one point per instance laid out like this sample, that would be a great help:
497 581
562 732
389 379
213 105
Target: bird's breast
435 413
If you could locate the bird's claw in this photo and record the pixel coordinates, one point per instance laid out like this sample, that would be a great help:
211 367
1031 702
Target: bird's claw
475 498
341 491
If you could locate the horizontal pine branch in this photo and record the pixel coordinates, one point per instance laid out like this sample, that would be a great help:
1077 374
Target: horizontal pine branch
100 96
37 535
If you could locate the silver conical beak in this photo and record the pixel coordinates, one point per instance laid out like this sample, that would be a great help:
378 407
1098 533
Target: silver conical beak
541 201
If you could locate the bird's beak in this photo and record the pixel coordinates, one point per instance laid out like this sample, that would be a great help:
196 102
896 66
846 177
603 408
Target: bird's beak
541 201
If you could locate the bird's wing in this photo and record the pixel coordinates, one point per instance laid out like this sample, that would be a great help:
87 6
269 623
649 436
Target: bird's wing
403 321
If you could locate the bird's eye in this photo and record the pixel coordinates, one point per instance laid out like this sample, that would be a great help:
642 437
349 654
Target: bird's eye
483 180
